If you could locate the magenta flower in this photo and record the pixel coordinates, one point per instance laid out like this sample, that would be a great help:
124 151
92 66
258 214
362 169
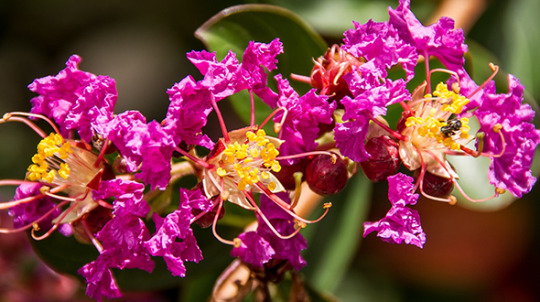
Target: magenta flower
401 224
75 99
100 281
506 113
260 246
174 240
285 249
188 112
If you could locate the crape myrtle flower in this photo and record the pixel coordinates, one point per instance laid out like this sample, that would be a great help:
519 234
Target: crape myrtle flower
244 162
74 183
436 117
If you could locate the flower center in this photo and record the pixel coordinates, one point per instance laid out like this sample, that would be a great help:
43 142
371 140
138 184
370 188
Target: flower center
58 161
434 119
250 162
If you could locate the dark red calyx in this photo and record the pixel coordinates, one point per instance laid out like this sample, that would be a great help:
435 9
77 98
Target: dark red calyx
384 158
437 186
326 174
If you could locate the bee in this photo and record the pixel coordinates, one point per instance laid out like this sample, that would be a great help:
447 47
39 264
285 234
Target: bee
451 127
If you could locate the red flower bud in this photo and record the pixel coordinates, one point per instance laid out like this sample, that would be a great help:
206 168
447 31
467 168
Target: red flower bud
326 175
384 158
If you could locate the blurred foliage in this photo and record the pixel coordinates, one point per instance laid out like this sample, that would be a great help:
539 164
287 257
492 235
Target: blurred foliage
470 256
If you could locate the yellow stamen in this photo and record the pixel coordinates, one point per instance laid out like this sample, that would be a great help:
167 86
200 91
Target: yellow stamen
49 159
250 161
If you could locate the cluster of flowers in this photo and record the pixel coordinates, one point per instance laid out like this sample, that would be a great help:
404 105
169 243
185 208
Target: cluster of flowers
94 175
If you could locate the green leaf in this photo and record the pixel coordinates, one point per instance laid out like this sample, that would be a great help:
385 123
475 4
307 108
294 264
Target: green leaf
234 27
337 237
521 32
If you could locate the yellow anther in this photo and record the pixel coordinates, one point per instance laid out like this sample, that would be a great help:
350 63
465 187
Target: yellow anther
276 167
453 200
237 242
271 186
221 172
500 190
64 170
300 224
455 87
327 205
35 227
50 146
497 127
265 175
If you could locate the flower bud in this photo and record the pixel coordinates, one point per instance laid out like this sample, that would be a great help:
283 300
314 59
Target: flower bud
437 186
327 74
326 174
384 158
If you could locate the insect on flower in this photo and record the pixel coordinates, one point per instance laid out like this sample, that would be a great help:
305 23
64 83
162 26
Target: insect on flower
451 127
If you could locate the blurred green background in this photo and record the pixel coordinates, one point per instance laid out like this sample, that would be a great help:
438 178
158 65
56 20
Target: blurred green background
469 256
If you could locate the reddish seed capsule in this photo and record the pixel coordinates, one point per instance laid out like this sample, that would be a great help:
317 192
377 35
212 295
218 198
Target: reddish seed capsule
326 175
384 158
437 186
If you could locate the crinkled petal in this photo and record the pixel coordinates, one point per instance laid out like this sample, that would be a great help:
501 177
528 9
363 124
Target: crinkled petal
380 44
511 171
74 99
401 224
253 249
188 113
27 213
93 108
400 190
174 239
285 249
99 280
156 155
369 104
127 131
440 40
128 196
122 239
256 58
220 78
